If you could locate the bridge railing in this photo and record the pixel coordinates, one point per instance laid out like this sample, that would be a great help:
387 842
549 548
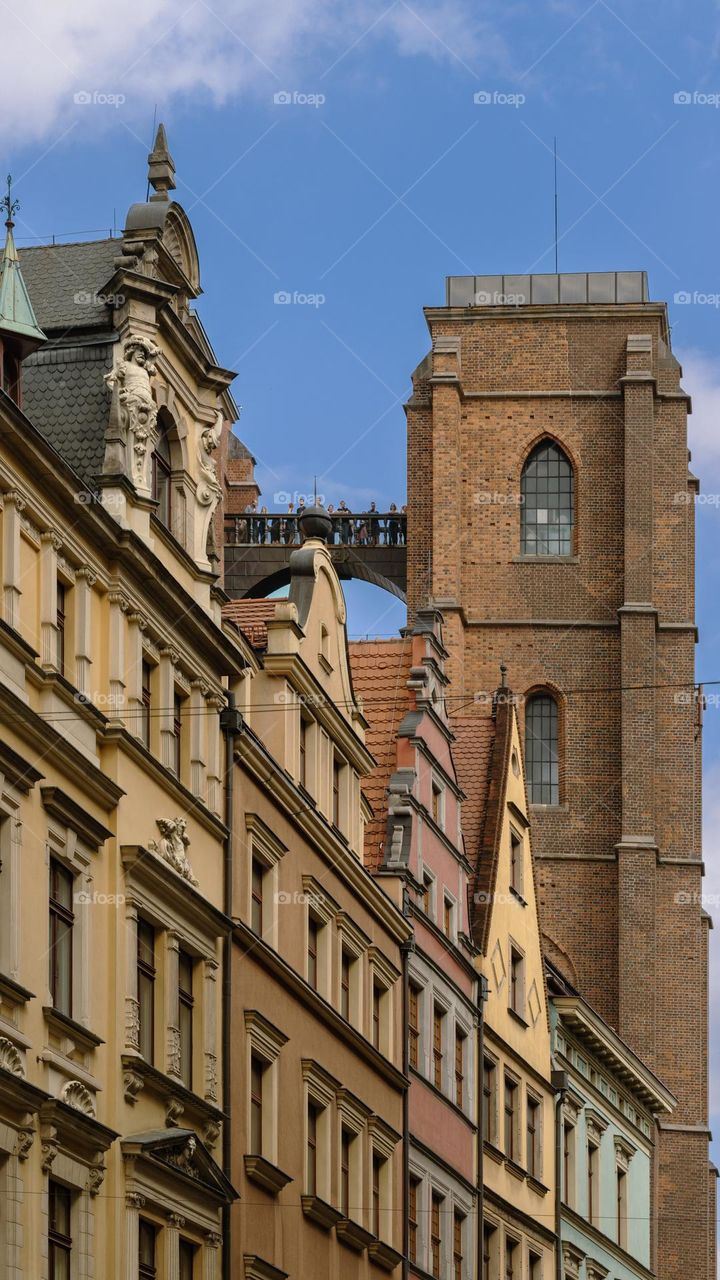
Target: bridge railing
350 528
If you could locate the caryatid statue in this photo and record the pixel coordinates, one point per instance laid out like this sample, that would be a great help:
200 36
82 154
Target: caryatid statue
132 429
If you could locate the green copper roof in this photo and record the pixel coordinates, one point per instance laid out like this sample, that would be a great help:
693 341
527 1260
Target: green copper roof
16 313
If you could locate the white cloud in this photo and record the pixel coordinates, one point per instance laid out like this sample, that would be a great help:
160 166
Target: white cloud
701 378
214 48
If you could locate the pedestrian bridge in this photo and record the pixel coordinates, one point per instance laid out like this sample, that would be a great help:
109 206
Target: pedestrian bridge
369 547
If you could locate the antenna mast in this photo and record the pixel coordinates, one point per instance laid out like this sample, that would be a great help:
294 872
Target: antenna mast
556 202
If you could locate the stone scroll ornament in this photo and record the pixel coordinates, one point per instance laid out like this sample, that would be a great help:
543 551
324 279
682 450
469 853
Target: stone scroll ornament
132 427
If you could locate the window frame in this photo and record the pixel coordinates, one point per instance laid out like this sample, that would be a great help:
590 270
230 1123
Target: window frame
544 792
186 1016
146 979
59 1239
60 914
563 531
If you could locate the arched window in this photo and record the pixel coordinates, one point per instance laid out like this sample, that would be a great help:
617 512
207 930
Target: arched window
162 476
547 502
542 749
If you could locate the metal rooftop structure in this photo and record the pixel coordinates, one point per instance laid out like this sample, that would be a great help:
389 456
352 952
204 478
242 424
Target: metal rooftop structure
606 287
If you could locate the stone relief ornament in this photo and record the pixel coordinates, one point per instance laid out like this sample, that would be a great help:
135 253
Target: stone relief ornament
76 1095
173 845
132 428
184 1159
23 1143
173 1111
96 1173
11 1058
209 491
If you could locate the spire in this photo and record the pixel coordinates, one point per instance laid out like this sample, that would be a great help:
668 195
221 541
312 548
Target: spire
161 167
17 318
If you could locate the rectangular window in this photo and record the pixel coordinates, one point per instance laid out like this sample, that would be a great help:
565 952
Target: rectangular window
257 1078
61 602
377 1174
517 981
177 732
532 1154
256 896
621 1208
313 1117
459 1067
535 1265
512 1259
146 988
592 1182
516 863
185 1016
569 1164
489 1252
187 1260
438 805
435 1235
489 1102
414 1027
147 1250
146 700
426 900
346 964
458 1232
378 993
337 771
438 1027
313 944
59 1232
413 1219
346 1142
511 1092
448 917
62 919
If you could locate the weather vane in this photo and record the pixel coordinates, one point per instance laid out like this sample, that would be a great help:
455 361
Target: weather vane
7 203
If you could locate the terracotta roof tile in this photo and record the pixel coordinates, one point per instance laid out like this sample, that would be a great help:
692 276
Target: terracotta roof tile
380 670
472 752
252 617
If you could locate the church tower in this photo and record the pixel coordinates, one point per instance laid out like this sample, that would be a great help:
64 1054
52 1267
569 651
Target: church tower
551 519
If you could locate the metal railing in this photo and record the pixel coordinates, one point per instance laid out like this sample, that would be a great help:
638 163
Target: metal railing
350 529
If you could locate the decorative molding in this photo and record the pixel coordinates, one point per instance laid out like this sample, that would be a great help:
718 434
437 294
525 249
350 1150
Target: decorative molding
185 1158
11 1059
23 1143
132 1085
75 1094
174 1109
96 1175
173 845
624 1152
131 433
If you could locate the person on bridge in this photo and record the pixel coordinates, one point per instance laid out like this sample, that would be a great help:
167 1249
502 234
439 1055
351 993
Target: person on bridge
344 513
290 524
261 525
393 526
333 521
373 525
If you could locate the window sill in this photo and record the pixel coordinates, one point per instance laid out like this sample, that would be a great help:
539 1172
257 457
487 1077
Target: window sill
518 1017
516 1170
535 1185
534 559
518 896
383 1255
353 1235
549 808
265 1174
67 1027
320 1212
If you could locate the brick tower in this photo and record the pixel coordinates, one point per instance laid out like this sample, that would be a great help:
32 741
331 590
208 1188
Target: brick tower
551 519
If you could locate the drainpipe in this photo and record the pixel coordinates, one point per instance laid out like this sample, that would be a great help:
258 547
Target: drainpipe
559 1081
231 725
482 995
405 950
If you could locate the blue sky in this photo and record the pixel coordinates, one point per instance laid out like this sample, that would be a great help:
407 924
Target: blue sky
378 178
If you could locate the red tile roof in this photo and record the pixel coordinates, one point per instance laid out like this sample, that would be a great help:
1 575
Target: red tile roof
380 670
472 752
252 617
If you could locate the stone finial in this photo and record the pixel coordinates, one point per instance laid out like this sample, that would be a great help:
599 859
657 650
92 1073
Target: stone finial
161 167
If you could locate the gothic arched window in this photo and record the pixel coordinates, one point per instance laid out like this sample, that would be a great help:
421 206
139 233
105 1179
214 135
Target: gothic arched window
542 749
162 476
547 493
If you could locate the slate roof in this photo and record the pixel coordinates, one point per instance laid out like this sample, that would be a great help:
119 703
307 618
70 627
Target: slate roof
252 617
65 397
64 281
380 671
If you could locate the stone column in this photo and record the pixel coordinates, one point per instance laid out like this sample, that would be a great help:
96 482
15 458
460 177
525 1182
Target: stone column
50 544
175 1224
215 753
211 1255
133 1204
168 658
118 608
198 737
172 1005
210 970
13 506
84 582
136 626
132 1005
